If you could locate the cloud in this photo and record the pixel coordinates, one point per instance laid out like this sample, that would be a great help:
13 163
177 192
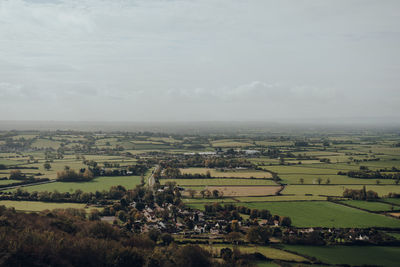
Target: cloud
255 91
144 60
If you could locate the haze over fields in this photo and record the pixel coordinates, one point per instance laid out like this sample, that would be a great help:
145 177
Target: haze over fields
199 60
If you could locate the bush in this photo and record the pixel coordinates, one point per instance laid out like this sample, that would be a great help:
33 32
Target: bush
167 238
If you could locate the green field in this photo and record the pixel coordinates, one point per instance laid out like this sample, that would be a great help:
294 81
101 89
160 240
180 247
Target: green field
269 252
337 190
3 182
333 179
324 214
352 255
395 201
39 206
395 235
97 184
45 143
278 198
266 264
300 169
370 205
207 200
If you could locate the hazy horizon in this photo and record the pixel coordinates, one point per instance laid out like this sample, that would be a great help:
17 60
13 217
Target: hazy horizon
208 127
177 61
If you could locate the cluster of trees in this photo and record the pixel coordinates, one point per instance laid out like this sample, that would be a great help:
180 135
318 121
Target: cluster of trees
93 170
17 175
15 145
171 172
258 235
393 195
111 165
205 193
115 192
369 174
319 180
69 175
321 237
234 213
202 161
361 194
301 143
315 238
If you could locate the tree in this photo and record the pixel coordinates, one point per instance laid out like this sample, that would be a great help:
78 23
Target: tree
397 181
302 180
233 237
170 172
226 254
192 256
235 226
215 193
206 193
328 181
167 239
122 215
88 175
47 166
378 182
319 180
16 175
285 221
258 234
154 234
253 214
265 214
94 215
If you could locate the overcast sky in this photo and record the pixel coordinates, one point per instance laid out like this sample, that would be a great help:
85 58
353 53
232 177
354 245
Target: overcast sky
170 60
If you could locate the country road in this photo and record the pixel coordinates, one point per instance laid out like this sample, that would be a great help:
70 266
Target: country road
151 180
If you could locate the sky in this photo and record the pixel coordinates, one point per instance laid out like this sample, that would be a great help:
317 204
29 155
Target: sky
205 60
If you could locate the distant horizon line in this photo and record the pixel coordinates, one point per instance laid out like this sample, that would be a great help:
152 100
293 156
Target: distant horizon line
316 120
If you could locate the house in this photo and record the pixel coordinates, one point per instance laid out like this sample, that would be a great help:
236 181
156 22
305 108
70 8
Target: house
199 229
263 222
362 238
